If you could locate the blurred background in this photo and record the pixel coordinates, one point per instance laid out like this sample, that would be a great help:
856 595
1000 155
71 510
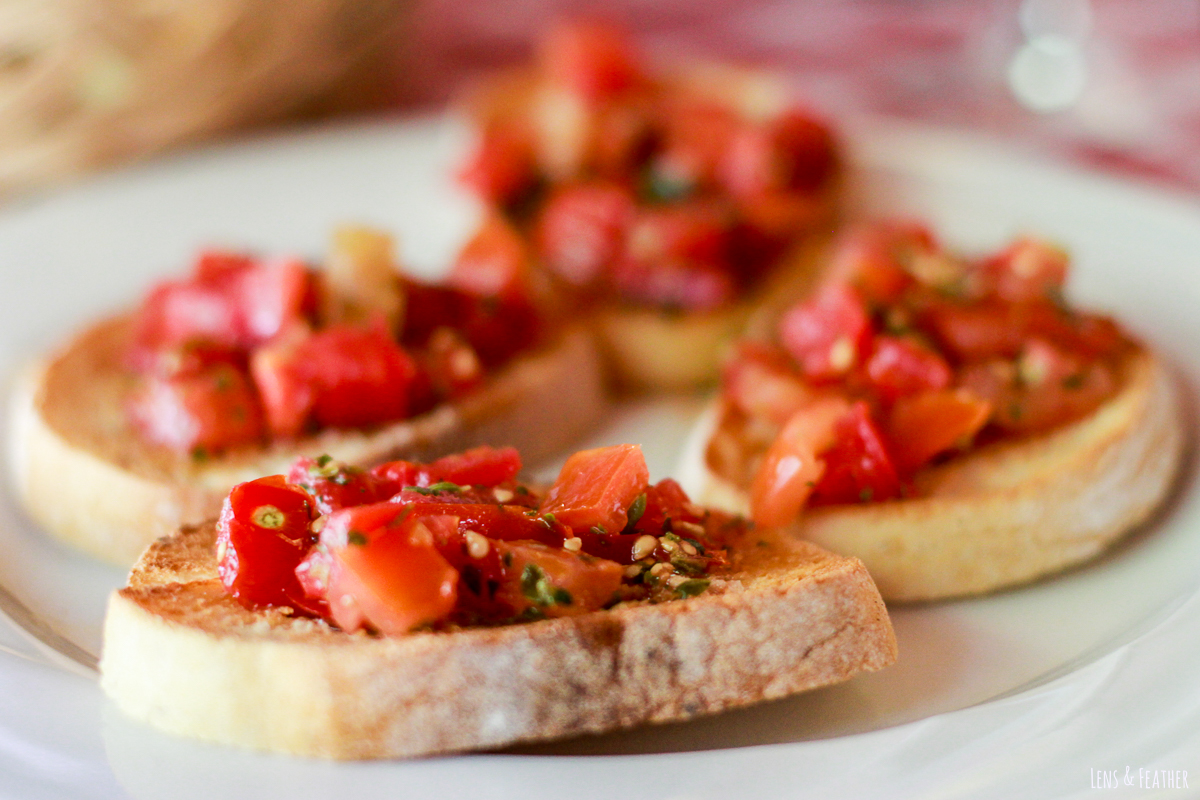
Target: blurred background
87 84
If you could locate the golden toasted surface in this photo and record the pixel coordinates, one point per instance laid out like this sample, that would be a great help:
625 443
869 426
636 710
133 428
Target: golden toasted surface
86 476
791 617
1011 512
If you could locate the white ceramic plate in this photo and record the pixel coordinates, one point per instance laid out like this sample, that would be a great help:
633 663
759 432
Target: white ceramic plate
1043 691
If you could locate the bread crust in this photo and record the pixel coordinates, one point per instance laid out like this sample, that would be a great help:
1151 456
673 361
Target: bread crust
1012 512
182 655
86 476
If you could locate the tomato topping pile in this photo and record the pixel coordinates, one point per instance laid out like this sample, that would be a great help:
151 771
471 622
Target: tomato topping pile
906 357
460 541
247 349
631 185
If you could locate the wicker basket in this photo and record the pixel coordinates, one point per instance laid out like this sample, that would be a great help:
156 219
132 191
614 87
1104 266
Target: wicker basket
90 82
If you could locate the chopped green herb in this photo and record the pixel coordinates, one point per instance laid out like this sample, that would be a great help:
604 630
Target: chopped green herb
688 565
537 588
435 488
550 518
599 530
521 490
357 538
199 454
692 588
1073 381
865 494
323 460
637 508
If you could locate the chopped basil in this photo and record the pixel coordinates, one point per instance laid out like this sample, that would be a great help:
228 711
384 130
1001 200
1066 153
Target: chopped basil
636 509
537 588
357 538
199 454
688 565
692 588
599 530
865 494
1073 381
549 518
323 460
436 488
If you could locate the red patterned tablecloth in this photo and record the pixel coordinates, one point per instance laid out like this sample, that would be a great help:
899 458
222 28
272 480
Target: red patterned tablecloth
1117 82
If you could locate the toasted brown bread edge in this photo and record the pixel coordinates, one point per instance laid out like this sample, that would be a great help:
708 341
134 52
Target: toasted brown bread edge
1011 513
88 488
181 655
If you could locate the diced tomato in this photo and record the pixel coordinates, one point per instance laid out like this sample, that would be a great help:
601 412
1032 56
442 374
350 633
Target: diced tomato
592 60
231 300
499 522
621 139
828 334
479 466
341 376
385 570
582 228
333 485
190 358
674 284
690 232
1046 387
554 581
696 137
451 365
496 327
206 409
596 488
262 535
494 263
666 501
978 330
997 329
922 426
874 258
791 152
501 167
858 467
899 366
1028 269
760 380
792 465
780 215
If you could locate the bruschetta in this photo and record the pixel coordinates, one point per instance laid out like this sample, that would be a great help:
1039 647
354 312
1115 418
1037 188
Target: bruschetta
672 202
144 421
420 609
951 422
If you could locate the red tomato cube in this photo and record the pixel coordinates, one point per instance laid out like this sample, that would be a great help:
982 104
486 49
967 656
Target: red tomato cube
596 488
828 334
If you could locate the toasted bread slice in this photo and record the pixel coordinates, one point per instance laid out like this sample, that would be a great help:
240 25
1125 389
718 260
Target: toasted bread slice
85 475
1010 512
182 655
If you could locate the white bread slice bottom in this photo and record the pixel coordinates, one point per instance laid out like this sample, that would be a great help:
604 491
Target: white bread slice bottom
85 475
1011 512
182 655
